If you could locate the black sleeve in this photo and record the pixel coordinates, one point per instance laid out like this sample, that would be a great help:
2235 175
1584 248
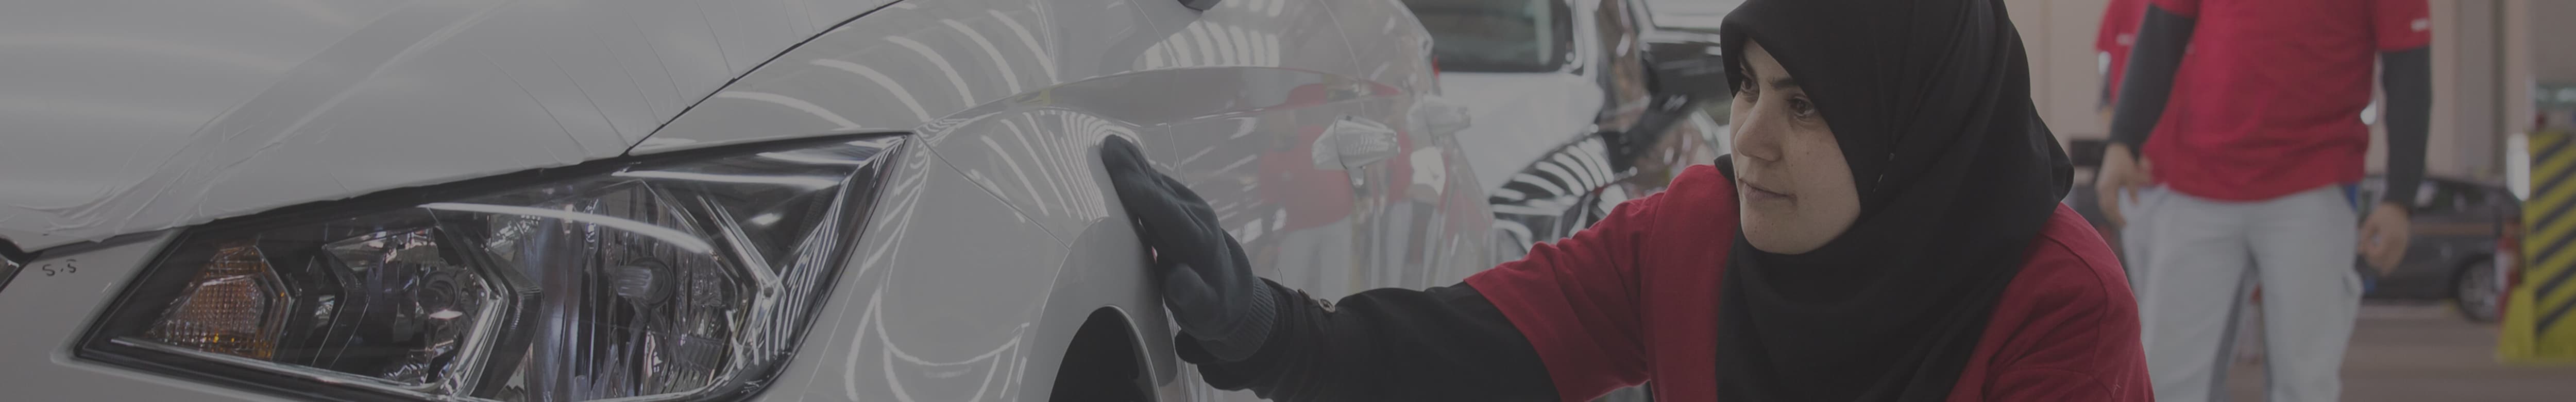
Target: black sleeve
2148 83
1438 344
2407 78
2105 100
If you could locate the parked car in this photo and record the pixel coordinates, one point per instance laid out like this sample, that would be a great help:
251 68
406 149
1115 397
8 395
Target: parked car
646 201
2465 236
1567 118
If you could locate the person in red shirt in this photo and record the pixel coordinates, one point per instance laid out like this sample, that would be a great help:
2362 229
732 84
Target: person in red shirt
2257 139
2119 32
1888 230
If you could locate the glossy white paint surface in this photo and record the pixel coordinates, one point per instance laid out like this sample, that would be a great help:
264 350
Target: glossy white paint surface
941 302
1233 101
993 239
1520 117
138 115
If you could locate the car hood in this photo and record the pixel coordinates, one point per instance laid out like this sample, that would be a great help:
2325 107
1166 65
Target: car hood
1518 117
123 117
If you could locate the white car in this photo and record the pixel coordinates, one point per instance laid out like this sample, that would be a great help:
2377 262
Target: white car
650 200
1568 119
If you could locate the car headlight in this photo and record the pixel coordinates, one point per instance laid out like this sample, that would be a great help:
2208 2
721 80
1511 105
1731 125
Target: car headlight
641 279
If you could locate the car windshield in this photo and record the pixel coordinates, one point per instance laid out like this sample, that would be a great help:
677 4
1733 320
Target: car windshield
1496 35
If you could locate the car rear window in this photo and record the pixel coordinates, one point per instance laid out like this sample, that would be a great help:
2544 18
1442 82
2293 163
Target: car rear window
1497 35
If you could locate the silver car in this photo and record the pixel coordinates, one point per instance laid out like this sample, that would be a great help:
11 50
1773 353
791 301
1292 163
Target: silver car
649 200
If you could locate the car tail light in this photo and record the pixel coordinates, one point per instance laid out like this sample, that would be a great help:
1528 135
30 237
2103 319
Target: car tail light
685 277
2509 241
2510 259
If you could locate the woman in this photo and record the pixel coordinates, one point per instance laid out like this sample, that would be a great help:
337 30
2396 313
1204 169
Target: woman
1887 231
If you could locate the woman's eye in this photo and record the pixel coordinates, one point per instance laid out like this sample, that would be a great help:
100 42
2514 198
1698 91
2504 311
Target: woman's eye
1801 108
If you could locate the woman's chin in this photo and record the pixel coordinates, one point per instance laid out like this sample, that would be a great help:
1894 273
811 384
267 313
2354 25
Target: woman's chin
1764 234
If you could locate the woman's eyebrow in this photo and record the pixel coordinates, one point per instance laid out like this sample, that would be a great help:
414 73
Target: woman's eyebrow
1784 84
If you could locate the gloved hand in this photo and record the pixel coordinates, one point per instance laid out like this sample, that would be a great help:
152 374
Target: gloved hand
1207 279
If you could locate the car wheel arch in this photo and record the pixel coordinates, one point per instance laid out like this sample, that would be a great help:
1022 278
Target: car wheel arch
2465 271
1103 279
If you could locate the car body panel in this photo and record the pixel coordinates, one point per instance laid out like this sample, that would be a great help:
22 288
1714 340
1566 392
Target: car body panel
1519 117
920 71
1170 73
1205 132
1249 94
993 239
939 301
124 121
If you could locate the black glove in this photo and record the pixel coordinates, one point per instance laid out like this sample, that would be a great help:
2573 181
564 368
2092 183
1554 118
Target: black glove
1206 278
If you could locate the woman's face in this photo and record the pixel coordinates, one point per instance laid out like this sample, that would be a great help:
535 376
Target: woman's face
1797 194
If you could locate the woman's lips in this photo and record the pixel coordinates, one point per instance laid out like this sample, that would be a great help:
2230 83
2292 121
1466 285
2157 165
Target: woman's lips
1757 193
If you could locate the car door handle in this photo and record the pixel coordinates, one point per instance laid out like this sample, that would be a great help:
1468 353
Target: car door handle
1361 142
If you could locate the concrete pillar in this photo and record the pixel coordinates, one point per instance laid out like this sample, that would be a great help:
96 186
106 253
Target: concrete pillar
2065 76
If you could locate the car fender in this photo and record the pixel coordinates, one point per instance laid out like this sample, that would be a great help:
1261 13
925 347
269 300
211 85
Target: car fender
996 240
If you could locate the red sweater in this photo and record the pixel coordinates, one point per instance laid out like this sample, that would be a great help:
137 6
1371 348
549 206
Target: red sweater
1634 299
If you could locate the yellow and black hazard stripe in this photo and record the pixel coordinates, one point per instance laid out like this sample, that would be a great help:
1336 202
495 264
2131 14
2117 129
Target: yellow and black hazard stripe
2540 318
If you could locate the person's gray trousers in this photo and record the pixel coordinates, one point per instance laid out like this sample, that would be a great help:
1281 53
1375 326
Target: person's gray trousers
2189 258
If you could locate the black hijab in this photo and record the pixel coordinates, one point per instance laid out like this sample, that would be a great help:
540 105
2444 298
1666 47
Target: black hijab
1930 102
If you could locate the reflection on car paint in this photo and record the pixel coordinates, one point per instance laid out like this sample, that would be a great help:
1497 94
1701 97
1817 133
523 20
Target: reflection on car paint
1558 144
1234 101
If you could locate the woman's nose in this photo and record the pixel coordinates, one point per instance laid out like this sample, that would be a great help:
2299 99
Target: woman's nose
1757 137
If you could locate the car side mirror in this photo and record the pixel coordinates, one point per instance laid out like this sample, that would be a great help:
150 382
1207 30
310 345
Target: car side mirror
1690 69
